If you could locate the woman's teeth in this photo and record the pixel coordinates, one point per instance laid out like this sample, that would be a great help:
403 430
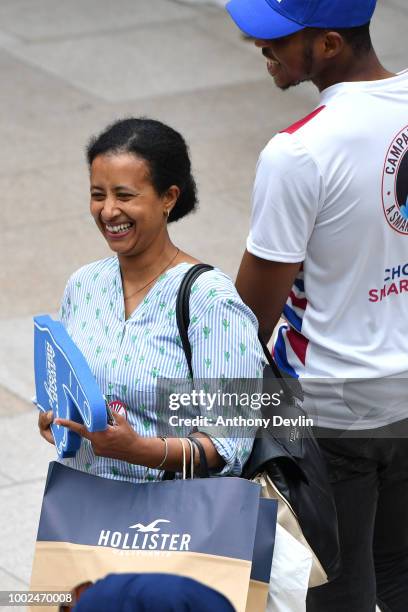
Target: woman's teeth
117 229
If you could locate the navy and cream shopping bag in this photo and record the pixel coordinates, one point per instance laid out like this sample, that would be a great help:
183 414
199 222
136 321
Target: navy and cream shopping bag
262 557
91 526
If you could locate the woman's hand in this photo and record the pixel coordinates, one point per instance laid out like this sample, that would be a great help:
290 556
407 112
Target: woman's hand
44 421
118 441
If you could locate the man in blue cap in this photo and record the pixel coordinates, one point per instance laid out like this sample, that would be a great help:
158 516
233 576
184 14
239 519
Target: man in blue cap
328 250
150 593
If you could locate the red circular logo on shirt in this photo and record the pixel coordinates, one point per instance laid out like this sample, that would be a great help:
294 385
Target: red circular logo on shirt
118 407
395 183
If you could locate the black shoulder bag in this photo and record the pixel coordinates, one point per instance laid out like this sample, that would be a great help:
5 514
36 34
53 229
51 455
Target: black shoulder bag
293 464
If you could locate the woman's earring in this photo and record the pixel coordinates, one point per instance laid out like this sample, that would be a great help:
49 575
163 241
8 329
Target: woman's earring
166 212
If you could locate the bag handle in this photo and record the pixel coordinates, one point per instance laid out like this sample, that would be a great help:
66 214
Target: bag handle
289 394
183 321
183 308
203 470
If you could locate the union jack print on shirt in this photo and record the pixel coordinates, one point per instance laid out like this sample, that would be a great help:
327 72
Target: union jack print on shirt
291 346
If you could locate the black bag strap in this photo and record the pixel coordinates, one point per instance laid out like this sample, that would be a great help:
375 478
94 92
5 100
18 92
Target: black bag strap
183 308
289 393
183 321
203 470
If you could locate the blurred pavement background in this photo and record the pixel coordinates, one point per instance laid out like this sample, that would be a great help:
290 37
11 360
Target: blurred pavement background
67 69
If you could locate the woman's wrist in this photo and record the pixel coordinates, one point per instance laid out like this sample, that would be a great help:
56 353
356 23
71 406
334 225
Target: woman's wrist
155 453
149 452
159 453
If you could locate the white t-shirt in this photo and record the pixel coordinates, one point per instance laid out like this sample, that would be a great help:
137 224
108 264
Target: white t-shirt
332 191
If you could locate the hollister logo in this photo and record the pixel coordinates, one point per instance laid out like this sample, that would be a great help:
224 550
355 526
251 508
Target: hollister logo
150 526
395 183
147 537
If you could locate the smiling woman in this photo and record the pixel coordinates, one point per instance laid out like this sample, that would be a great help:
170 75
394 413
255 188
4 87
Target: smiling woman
129 213
140 178
120 311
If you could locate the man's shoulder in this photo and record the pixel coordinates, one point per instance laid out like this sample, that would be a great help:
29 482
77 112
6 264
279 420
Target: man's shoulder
300 144
291 140
297 125
286 152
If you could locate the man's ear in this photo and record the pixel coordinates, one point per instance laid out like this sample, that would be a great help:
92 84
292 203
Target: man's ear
333 44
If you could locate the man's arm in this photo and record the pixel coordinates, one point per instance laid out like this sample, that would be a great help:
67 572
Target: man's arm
288 193
264 286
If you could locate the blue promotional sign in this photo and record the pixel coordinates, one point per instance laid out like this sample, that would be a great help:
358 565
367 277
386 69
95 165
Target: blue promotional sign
65 384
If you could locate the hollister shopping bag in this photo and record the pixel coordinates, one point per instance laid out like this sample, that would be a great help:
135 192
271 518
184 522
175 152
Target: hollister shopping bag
91 526
263 555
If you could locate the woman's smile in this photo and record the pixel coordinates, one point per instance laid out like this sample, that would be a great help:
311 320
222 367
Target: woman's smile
117 231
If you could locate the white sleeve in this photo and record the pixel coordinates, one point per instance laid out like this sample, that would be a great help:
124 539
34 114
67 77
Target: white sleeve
287 196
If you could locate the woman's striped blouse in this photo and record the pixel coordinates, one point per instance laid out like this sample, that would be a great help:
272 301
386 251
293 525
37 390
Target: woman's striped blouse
129 356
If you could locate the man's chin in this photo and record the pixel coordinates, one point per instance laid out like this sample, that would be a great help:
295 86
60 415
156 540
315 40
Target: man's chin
290 84
286 86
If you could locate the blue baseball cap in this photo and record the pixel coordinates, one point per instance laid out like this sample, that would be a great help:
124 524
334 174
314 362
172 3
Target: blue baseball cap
150 592
267 19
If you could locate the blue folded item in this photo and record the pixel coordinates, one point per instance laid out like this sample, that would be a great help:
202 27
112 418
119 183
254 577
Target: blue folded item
65 384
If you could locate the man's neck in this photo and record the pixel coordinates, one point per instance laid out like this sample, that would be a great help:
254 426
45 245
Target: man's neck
351 68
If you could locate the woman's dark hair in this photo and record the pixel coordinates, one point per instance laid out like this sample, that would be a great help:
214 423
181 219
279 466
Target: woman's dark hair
162 148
